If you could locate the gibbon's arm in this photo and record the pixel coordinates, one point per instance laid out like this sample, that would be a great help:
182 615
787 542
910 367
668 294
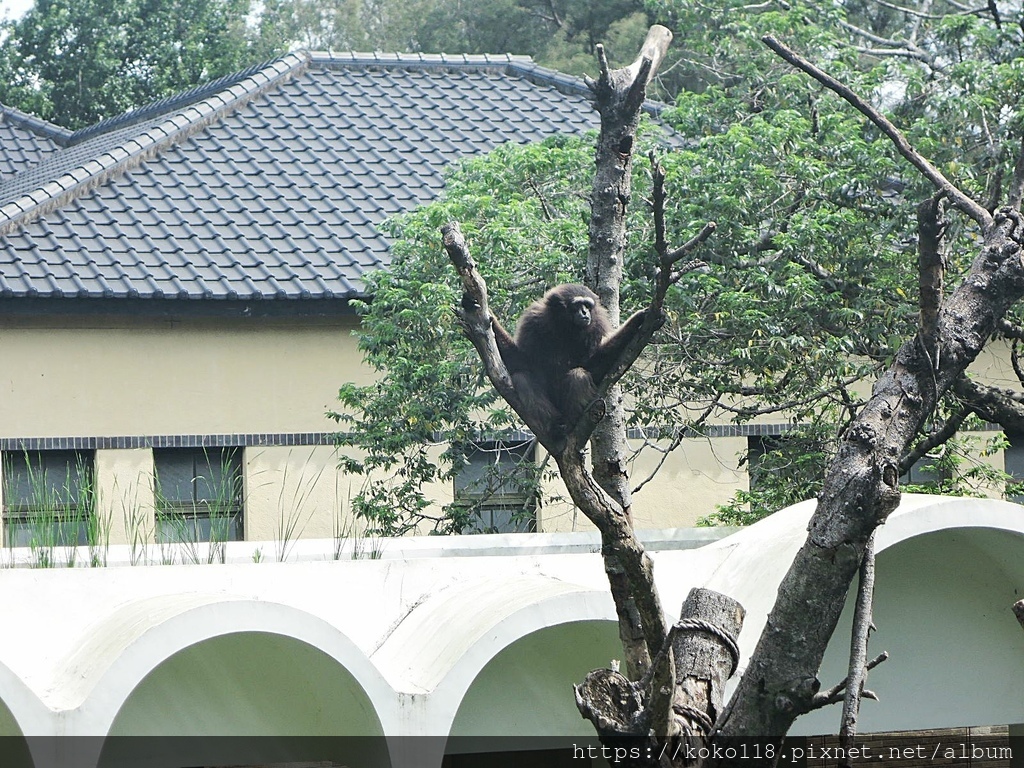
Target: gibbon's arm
511 355
604 358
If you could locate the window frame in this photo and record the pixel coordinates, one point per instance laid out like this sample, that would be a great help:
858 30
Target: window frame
193 520
486 503
30 523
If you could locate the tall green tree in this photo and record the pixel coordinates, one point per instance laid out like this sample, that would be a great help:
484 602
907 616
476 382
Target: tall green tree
77 61
951 77
557 33
809 289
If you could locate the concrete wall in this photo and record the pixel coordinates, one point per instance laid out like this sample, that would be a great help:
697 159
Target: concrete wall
445 637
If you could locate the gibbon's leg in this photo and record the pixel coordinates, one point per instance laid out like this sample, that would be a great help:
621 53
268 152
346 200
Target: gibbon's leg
578 392
534 395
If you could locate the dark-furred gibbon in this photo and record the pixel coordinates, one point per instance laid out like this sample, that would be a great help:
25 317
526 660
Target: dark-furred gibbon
562 350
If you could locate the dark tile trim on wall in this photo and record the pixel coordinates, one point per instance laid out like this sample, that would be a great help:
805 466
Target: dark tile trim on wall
278 439
246 440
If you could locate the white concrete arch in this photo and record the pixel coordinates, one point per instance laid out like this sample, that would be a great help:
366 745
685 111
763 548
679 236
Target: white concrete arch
442 643
21 710
949 569
920 513
749 564
424 656
942 608
541 668
129 645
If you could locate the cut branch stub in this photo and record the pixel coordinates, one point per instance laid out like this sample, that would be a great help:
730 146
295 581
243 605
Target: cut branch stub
612 703
706 655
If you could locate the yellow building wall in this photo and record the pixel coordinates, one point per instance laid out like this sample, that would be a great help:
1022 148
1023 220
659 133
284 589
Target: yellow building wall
297 491
695 478
150 377
139 378
125 501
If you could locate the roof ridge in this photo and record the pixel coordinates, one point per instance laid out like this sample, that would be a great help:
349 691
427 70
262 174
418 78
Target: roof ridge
518 64
428 59
168 103
36 125
193 117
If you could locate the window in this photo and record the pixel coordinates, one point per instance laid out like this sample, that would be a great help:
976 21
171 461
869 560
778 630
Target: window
198 494
497 488
1013 465
923 472
757 447
49 498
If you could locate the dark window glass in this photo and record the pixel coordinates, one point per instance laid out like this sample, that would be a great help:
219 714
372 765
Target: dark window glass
49 497
497 487
198 494
1013 465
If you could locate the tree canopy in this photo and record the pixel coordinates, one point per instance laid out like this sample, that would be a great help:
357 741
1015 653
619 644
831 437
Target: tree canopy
74 62
671 693
810 286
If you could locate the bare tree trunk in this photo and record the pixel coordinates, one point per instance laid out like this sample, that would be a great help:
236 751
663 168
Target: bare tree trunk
645 707
619 96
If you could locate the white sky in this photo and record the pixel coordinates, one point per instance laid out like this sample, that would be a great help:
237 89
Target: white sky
14 8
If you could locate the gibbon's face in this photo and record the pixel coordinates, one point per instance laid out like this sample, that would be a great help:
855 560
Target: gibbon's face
580 311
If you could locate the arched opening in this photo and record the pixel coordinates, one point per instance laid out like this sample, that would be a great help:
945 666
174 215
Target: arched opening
942 608
14 750
522 700
246 698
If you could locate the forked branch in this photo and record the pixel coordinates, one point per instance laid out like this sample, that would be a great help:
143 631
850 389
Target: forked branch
474 316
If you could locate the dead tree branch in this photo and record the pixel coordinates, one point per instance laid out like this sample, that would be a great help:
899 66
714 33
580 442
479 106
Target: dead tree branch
1000 406
933 440
1017 185
835 694
930 270
618 97
862 626
474 316
929 171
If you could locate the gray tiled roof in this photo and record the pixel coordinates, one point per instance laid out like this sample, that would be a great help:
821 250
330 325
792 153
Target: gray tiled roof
268 184
25 140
